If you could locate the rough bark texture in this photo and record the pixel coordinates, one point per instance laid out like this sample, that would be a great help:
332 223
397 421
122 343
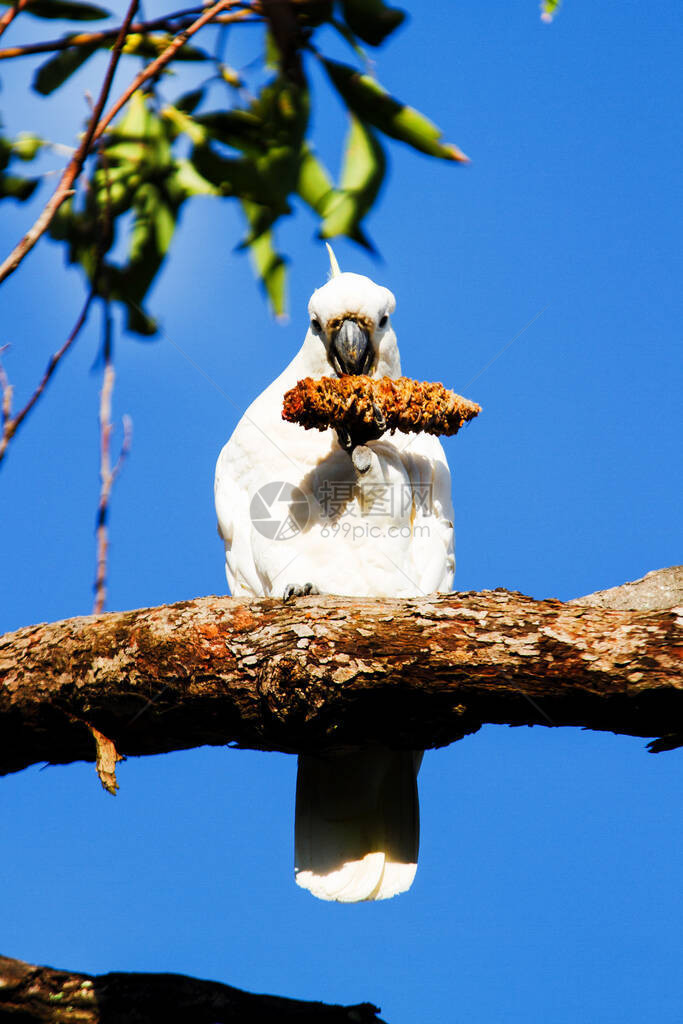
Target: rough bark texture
41 995
330 671
662 588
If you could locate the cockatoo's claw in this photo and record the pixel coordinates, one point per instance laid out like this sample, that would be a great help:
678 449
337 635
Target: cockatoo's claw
299 590
380 418
345 439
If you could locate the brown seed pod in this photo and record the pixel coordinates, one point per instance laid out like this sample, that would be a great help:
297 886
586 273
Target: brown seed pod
362 408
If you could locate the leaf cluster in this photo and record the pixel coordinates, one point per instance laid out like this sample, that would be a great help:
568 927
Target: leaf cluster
255 148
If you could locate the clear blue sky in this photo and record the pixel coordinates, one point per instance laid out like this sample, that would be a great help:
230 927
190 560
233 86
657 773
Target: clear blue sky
549 886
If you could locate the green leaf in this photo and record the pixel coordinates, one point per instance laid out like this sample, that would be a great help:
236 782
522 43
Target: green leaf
189 101
271 54
26 145
269 265
184 123
371 20
141 138
549 8
65 10
362 177
14 187
59 68
190 181
314 185
239 129
371 103
232 177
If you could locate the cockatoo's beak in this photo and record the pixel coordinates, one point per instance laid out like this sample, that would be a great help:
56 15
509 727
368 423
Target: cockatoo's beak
351 351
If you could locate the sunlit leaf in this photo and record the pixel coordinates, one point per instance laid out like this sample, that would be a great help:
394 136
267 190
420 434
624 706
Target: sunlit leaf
183 122
371 20
362 177
55 71
191 181
371 103
26 146
269 265
314 185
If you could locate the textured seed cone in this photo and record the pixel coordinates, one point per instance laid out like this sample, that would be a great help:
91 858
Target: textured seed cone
357 404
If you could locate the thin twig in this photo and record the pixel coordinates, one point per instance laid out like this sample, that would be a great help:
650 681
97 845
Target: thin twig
75 166
9 16
90 38
168 54
10 424
108 474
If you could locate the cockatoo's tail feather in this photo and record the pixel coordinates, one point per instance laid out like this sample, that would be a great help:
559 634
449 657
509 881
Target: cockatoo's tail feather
357 824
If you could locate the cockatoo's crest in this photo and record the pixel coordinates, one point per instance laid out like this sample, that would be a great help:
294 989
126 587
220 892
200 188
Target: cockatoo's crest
334 266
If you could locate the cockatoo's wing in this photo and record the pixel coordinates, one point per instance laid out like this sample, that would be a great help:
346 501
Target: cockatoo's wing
232 511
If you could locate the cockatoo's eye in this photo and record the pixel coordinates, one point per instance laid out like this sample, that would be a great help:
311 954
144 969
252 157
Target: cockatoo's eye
315 325
384 321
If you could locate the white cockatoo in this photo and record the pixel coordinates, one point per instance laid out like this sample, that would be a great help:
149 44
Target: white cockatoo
301 514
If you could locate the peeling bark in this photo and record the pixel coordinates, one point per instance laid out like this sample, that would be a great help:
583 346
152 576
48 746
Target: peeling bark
325 672
41 995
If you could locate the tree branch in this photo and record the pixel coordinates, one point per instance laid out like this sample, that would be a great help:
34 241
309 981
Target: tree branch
108 474
165 23
331 671
10 14
42 995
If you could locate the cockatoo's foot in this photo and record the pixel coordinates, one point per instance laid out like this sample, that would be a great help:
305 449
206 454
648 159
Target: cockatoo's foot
361 457
299 590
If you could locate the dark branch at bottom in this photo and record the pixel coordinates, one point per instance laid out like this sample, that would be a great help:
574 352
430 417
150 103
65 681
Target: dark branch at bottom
42 995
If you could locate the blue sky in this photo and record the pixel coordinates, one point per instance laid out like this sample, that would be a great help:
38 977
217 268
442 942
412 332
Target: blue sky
549 885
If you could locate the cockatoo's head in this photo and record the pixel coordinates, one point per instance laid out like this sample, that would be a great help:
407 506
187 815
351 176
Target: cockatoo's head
349 318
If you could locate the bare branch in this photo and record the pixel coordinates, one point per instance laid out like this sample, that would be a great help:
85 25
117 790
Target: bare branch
41 994
10 14
331 671
10 424
108 474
